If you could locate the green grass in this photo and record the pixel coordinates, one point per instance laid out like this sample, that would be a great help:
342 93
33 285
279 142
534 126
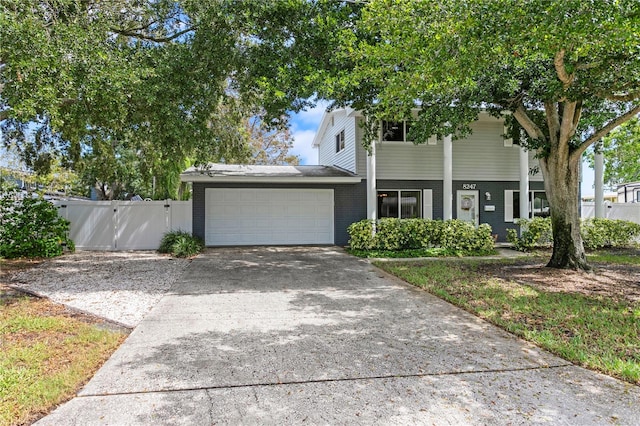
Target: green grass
600 333
45 356
626 257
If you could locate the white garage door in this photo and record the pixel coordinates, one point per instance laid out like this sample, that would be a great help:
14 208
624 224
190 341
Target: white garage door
265 216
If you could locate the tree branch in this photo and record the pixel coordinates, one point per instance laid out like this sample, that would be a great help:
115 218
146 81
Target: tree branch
154 39
607 128
553 121
627 97
532 129
567 127
561 71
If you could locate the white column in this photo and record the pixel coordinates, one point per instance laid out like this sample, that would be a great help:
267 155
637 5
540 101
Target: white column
524 183
447 184
599 181
372 193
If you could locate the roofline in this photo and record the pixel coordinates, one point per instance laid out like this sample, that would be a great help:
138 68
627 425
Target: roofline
268 179
324 122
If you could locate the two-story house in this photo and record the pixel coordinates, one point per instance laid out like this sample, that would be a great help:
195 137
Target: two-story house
478 179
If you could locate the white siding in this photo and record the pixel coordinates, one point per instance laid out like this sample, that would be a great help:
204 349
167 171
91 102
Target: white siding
404 160
346 158
483 156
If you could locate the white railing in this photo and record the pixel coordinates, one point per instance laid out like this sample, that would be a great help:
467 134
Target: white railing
123 225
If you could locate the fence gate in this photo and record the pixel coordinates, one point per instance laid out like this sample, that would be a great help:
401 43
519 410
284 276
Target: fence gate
123 225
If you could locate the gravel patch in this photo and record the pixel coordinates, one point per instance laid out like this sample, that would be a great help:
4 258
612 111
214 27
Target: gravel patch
119 286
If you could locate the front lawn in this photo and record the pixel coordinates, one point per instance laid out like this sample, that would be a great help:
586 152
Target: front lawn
592 320
46 352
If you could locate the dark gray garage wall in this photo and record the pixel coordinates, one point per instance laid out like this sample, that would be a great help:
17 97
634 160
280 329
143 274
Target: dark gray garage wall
350 204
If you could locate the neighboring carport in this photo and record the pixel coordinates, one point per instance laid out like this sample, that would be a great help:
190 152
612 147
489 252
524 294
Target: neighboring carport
236 205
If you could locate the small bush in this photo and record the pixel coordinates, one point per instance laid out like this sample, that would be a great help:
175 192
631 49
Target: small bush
535 232
181 244
452 236
31 227
596 233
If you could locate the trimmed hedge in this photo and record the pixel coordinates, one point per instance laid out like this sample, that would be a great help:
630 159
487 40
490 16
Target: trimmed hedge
596 233
454 236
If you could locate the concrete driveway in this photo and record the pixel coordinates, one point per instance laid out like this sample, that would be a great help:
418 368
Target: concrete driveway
315 336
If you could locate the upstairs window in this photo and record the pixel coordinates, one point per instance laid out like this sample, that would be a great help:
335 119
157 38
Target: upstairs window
395 131
340 141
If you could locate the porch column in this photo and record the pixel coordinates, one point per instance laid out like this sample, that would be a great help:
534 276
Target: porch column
524 183
372 193
447 184
599 181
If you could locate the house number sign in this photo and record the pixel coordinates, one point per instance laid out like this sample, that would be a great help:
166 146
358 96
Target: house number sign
468 186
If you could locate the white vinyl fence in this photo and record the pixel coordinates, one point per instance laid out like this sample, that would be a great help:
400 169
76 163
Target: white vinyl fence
624 211
123 225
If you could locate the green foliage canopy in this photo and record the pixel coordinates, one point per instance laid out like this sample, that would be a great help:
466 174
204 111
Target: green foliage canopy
562 74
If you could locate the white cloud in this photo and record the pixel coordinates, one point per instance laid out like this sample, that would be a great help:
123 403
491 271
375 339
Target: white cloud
302 146
309 119
303 127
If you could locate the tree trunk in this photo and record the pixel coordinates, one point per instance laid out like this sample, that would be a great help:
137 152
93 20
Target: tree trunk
561 181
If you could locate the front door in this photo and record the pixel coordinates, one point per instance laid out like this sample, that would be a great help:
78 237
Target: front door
468 207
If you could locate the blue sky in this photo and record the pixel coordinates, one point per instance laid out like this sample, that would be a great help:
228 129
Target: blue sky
303 126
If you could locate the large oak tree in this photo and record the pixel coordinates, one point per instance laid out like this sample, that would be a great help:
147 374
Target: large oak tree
154 77
565 73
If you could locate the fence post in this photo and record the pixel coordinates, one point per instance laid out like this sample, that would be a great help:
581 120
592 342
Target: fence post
167 215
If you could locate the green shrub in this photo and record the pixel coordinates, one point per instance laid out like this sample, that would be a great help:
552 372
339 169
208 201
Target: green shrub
596 233
361 235
180 244
601 233
534 232
451 236
31 227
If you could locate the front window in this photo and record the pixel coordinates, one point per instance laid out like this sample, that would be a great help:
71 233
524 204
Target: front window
399 204
537 200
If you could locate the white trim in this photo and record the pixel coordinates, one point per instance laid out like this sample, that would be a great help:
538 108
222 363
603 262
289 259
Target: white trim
271 179
508 205
524 182
447 181
427 203
372 193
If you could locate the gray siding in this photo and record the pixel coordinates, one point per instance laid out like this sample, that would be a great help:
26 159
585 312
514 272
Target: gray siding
495 218
197 211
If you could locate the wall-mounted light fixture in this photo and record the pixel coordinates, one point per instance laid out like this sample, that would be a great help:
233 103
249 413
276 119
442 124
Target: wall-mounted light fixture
487 196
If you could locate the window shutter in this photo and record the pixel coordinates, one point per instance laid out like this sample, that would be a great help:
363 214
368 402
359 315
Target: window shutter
427 204
508 205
